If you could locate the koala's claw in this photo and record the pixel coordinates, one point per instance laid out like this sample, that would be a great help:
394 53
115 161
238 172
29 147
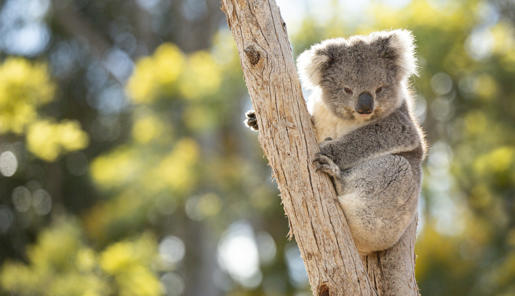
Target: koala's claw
251 120
325 164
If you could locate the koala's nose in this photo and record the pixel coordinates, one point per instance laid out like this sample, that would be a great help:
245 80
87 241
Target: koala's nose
365 103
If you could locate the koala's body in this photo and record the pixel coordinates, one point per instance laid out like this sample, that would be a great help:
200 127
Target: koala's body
370 142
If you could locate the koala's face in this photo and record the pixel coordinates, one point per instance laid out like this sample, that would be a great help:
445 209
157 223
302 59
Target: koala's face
362 77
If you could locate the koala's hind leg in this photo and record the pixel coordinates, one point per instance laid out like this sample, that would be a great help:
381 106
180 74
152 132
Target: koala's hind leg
394 269
379 197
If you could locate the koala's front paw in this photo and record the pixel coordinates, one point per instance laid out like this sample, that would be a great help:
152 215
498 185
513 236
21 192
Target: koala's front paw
251 120
324 163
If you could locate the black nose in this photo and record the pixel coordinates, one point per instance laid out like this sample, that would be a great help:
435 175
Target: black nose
365 103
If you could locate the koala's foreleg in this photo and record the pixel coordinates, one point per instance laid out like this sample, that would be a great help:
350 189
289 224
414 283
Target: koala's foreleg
379 197
395 134
251 120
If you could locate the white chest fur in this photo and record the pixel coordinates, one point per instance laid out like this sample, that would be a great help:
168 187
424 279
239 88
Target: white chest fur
328 125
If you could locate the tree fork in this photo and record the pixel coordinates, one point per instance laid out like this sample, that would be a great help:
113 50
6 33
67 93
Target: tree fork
286 135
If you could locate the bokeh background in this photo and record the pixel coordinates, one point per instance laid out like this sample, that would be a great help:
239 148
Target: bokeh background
125 168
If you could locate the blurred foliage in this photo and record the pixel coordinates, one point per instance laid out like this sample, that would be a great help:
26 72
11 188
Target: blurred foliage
46 139
62 264
23 87
133 172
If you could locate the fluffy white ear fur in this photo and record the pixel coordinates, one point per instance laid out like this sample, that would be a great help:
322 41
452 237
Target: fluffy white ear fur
402 42
309 64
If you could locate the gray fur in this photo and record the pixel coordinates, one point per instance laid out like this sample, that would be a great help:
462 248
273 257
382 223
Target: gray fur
377 164
360 63
375 159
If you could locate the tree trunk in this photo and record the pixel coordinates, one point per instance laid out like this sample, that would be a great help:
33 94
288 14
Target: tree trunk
286 135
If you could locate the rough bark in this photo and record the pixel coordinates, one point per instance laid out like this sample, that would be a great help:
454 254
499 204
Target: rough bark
286 135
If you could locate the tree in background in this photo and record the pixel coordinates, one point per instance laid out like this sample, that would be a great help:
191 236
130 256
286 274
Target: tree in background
126 169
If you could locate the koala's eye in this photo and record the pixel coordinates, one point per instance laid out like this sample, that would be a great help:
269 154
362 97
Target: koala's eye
348 90
379 89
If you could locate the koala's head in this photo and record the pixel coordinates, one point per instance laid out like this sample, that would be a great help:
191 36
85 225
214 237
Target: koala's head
361 77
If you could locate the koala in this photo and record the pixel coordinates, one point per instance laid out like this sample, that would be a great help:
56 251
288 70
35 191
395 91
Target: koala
370 142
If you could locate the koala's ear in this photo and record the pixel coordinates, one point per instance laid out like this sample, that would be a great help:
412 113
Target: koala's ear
401 49
310 64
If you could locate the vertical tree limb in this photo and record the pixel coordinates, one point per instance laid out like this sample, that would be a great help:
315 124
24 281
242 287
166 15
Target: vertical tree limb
286 135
